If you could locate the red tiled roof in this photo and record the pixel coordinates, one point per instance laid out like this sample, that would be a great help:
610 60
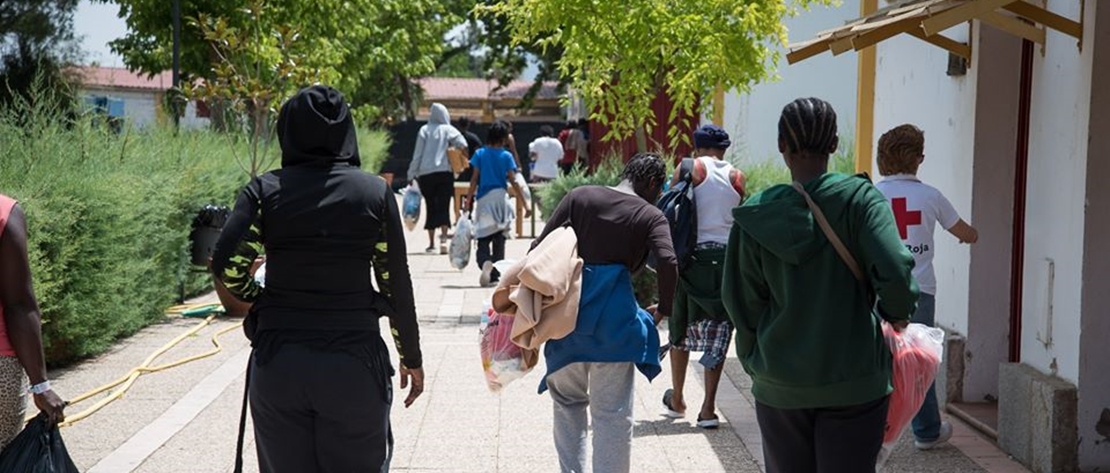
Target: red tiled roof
442 88
118 77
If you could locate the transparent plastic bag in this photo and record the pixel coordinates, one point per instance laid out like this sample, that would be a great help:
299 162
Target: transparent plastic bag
410 205
462 242
502 360
916 354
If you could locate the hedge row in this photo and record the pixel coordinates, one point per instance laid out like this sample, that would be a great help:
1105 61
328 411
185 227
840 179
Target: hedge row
109 217
108 220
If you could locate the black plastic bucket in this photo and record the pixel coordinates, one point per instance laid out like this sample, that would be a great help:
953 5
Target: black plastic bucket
206 231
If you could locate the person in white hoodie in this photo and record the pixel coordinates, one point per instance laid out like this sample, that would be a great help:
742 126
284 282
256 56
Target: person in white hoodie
431 168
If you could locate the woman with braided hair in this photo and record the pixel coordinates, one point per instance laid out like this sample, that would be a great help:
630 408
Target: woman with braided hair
805 328
591 372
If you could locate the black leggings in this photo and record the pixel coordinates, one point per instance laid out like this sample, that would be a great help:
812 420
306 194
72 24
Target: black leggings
308 419
491 248
824 440
438 188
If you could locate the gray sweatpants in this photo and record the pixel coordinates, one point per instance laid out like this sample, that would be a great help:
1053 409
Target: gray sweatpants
320 412
606 389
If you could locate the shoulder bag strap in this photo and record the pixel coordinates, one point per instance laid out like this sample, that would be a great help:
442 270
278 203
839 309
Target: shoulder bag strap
841 250
243 418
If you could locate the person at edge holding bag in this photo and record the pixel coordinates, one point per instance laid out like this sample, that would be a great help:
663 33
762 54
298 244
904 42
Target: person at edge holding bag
431 169
918 207
805 329
21 355
320 378
698 321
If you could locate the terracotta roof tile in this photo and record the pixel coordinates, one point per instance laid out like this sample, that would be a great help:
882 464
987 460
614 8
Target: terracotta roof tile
442 88
118 77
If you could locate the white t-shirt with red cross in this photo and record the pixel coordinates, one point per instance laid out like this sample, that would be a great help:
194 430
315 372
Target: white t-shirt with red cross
918 207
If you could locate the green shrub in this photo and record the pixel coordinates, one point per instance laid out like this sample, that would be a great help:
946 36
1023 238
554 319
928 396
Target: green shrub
373 148
109 218
763 174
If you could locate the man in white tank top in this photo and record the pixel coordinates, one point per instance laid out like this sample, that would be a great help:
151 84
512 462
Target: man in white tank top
698 320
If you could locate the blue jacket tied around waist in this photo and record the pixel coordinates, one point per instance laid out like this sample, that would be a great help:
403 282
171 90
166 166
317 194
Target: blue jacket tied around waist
611 327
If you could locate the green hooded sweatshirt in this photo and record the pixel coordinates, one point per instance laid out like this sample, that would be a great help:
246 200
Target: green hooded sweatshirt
805 330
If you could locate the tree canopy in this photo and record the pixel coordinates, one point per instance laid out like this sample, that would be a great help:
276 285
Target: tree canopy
618 55
374 49
36 40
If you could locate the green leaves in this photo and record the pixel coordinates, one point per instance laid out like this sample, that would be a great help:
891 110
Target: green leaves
618 55
368 49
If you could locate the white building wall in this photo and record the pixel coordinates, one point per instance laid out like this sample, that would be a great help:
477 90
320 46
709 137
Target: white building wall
911 86
1056 200
139 107
752 119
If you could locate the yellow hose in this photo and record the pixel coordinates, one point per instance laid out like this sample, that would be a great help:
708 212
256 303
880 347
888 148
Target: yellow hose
129 379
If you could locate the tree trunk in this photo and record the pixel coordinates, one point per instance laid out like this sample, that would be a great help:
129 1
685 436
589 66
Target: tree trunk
641 140
406 97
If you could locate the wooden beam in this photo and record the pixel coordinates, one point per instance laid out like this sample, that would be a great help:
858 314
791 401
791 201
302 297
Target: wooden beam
841 46
806 51
1014 26
883 33
968 11
865 97
955 47
1047 18
719 105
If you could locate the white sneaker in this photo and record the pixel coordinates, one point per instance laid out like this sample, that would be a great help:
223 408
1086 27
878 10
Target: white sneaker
487 274
945 434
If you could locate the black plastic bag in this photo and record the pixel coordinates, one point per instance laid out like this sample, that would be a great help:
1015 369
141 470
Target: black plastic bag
37 449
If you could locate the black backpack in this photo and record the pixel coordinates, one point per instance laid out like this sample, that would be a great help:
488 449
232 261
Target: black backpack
681 211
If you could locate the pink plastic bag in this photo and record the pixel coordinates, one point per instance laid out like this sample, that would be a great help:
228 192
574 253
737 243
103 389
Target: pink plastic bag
502 360
916 356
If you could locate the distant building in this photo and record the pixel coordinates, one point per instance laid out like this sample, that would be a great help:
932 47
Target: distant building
136 98
483 101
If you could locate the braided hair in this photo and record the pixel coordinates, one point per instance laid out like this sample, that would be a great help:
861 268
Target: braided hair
498 133
645 169
808 126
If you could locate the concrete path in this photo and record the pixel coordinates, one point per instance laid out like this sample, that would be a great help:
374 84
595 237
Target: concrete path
185 419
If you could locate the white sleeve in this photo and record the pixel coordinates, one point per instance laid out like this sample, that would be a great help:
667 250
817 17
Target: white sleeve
947 216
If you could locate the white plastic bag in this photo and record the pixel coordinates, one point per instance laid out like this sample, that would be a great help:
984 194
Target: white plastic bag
916 354
462 242
411 205
524 189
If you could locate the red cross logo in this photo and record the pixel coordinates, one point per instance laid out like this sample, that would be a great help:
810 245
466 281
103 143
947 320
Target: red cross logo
903 217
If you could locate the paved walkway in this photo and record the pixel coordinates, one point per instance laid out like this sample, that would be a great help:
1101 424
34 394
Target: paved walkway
185 419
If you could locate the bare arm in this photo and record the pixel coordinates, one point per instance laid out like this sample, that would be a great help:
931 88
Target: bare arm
512 149
21 310
473 188
966 233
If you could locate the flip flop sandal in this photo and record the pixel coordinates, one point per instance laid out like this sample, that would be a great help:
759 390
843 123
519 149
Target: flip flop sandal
668 396
709 423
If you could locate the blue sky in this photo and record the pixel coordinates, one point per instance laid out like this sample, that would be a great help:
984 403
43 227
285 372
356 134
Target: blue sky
97 24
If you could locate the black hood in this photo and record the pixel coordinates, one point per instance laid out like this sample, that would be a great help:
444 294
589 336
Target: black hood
315 127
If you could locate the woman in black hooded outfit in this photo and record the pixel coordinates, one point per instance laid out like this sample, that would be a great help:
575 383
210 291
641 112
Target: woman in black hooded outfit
321 389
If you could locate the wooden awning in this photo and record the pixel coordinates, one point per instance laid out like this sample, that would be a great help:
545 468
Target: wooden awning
925 19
